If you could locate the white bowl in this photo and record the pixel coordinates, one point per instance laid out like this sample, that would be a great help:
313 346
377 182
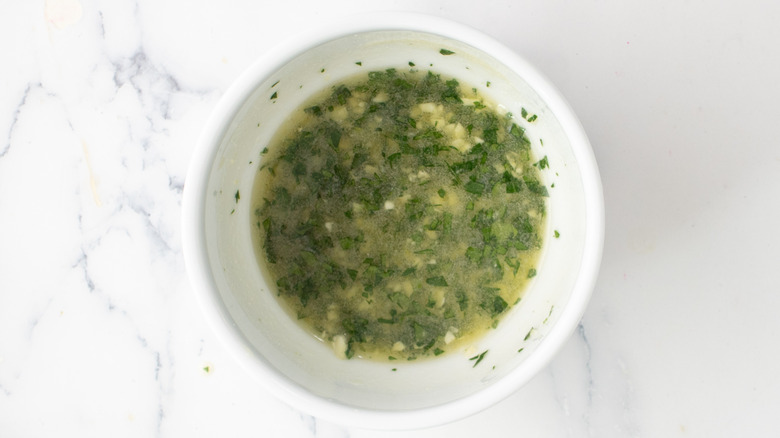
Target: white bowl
239 303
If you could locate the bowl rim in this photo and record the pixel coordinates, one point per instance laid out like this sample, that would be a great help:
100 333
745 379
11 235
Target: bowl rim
194 239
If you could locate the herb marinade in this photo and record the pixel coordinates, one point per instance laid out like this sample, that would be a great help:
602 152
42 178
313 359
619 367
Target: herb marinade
400 215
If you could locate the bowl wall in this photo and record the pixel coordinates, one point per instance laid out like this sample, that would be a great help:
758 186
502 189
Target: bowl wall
241 303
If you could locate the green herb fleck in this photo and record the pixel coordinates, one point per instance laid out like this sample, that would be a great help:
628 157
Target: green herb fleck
238 196
478 358
437 281
275 95
528 335
556 234
516 131
346 242
313 110
548 315
358 63
474 254
446 52
446 225
475 187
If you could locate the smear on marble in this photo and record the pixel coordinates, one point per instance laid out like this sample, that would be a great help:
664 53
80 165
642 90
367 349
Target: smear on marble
61 14
310 423
15 119
588 356
610 395
92 181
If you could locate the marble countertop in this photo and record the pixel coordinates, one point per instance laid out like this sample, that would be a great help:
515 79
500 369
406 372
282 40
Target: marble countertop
100 106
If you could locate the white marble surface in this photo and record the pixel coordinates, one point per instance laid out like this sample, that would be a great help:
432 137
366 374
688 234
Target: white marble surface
101 102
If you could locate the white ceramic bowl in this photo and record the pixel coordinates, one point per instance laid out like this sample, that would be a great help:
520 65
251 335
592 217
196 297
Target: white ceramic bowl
239 303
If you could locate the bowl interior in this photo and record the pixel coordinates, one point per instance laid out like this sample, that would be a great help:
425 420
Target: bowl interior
302 369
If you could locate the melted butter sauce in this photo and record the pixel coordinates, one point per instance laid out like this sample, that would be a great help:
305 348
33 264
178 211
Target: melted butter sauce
399 215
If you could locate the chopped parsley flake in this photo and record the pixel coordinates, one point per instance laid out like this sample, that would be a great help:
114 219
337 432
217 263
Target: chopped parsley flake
437 281
478 358
543 163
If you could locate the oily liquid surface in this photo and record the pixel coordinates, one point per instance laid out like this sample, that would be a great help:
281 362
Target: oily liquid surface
399 216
